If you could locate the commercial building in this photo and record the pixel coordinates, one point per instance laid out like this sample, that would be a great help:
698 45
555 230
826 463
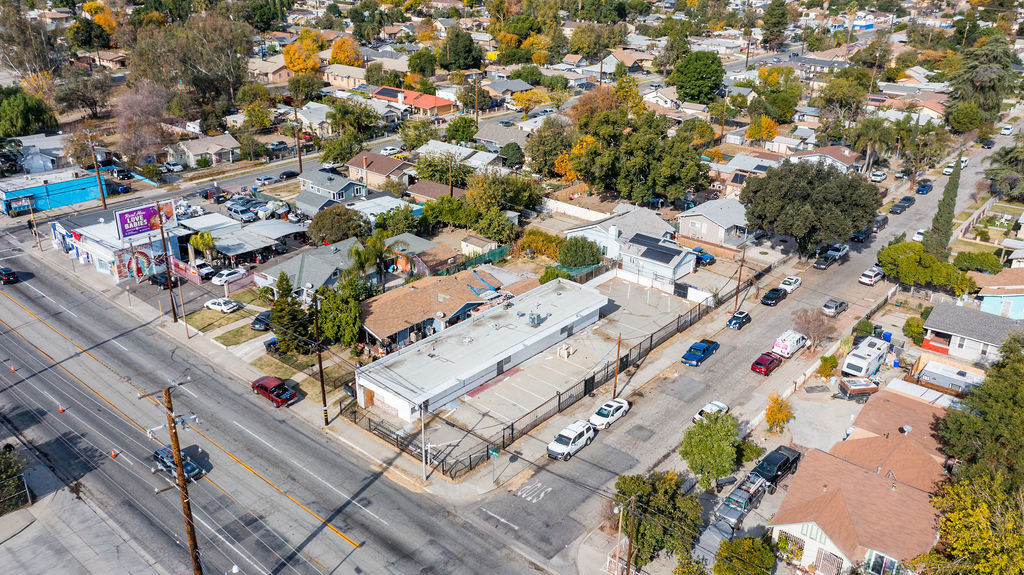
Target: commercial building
437 370
47 190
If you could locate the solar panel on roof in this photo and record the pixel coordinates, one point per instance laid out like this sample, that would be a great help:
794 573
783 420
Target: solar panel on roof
644 240
661 255
388 92
760 168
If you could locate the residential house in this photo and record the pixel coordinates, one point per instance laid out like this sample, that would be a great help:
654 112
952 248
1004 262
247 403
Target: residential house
808 67
373 207
506 88
573 80
376 169
665 97
310 203
43 153
313 117
388 112
474 245
840 157
966 333
109 59
330 185
568 27
574 60
270 71
732 176
423 104
720 46
866 504
533 124
783 145
721 222
808 114
479 161
217 149
612 233
426 190
416 256
1002 293
342 76
633 60
391 33
321 267
495 137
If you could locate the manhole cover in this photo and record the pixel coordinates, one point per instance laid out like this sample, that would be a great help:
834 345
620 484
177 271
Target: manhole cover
640 432
816 389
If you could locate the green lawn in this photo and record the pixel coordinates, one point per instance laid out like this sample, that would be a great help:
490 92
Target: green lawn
961 245
209 320
240 334
248 297
270 366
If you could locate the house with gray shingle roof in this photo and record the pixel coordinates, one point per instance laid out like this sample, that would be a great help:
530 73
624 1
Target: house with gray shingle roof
721 222
323 266
967 333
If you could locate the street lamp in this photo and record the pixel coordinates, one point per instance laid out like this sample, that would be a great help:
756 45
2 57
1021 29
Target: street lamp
319 354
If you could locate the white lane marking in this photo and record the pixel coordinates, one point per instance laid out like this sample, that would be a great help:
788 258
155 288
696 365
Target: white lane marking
118 344
265 442
189 391
336 490
359 449
513 526
69 311
41 293
512 401
12 257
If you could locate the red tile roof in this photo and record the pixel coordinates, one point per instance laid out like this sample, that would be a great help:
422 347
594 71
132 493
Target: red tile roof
414 99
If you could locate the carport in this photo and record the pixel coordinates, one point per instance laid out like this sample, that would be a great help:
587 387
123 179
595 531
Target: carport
277 229
242 246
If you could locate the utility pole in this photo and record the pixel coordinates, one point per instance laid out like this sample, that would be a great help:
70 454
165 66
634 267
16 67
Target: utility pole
186 505
319 352
423 436
96 167
298 133
632 535
476 106
618 538
615 383
451 182
725 108
167 263
35 229
739 280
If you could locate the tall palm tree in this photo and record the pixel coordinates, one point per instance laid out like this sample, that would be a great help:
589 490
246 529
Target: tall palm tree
875 136
373 252
203 241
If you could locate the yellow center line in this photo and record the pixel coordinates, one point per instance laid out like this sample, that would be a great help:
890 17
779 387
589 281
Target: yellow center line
323 521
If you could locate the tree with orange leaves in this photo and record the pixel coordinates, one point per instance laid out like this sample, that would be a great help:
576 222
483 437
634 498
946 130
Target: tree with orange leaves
425 31
346 51
301 56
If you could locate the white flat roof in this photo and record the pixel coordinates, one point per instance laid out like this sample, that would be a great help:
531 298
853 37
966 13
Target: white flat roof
210 222
438 363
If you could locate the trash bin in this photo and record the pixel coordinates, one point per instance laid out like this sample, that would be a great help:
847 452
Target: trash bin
887 336
877 331
896 362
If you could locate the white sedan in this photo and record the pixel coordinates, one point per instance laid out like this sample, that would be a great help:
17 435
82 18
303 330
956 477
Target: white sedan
173 166
918 236
1007 130
790 284
223 305
227 276
390 151
609 413
713 407
265 180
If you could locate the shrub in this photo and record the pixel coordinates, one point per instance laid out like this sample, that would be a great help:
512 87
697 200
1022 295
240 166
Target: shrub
914 329
926 311
578 252
540 243
748 451
828 364
778 413
552 273
150 172
971 261
982 234
864 327
203 162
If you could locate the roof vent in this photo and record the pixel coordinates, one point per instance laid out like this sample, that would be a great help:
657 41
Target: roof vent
906 429
440 314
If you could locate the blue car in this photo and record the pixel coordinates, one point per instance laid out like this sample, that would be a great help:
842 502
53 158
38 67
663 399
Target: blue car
738 320
924 188
703 257
699 351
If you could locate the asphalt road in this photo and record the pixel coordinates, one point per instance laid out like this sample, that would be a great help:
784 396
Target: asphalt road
267 473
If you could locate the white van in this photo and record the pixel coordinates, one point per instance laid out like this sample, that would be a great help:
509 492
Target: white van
789 343
866 358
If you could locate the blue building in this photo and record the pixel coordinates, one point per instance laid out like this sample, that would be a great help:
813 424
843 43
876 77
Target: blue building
47 190
1001 293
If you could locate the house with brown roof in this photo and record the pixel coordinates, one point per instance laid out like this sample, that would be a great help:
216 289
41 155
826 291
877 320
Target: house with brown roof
416 256
867 502
217 149
342 76
427 190
376 169
841 157
424 104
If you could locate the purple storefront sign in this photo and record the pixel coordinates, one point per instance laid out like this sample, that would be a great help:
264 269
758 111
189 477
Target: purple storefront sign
143 219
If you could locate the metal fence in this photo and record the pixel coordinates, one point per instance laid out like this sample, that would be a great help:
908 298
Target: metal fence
721 298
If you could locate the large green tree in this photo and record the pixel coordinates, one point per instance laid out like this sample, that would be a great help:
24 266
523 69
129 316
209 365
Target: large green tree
337 223
746 556
459 51
985 77
578 252
462 129
657 514
22 114
774 23
305 87
83 90
546 143
290 326
709 448
697 77
811 202
936 241
910 264
423 62
443 168
415 133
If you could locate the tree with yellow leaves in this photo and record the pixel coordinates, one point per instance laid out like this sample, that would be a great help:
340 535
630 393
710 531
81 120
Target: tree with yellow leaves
301 56
93 8
346 51
565 161
762 128
107 21
529 99
425 30
778 413
42 85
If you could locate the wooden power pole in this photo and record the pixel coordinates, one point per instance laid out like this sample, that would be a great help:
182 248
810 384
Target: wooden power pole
96 167
167 263
615 382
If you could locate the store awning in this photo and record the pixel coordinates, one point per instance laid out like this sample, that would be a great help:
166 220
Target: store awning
240 242
275 229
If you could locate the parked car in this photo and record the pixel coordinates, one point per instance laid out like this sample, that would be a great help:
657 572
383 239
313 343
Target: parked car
609 413
777 465
173 166
878 176
825 261
265 180
918 236
1006 130
699 352
860 236
964 162
924 187
288 175
275 390
261 322
123 174
880 222
773 296
900 174
159 279
390 151
703 257
277 146
790 284
871 276
8 276
712 407
987 144
164 460
766 363
788 343
948 169
834 307
898 208
571 440
738 320
505 123
227 276
223 305
206 271
241 212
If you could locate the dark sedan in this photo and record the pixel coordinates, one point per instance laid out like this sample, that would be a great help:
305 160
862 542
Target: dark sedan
261 322
825 261
288 175
898 208
774 296
160 280
8 276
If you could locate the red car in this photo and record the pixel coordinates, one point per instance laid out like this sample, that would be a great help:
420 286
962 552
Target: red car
766 364
275 390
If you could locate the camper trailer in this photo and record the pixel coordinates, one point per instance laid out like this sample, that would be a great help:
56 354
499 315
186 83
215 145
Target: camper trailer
866 358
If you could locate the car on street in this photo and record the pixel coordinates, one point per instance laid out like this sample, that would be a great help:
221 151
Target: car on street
834 307
777 465
900 174
8 276
390 151
277 146
1006 130
159 279
871 276
964 162
265 180
610 412
825 261
275 390
261 322
987 144
923 188
712 407
738 320
164 460
288 175
791 283
860 236
223 305
898 208
766 363
505 123
172 166
918 236
773 296
878 176
908 200
699 352
571 440
545 111
948 169
226 276
703 257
